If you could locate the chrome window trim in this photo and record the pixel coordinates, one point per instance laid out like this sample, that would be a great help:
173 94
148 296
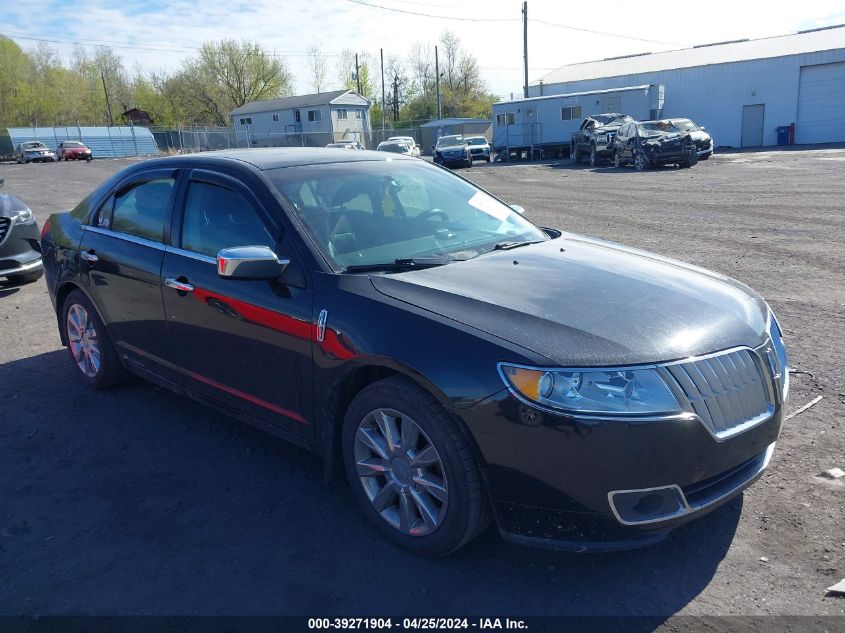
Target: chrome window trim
208 259
127 237
767 457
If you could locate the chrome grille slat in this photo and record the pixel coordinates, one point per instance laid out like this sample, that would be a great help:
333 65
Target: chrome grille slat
5 223
726 391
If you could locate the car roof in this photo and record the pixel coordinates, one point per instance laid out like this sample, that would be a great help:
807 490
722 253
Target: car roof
272 157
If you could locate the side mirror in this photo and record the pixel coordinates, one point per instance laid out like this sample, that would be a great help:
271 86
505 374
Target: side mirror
520 210
703 129
250 262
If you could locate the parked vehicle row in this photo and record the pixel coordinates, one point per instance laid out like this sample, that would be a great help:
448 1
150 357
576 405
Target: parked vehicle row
38 152
645 144
394 317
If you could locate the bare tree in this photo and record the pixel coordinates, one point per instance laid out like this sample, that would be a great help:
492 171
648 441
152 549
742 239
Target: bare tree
318 68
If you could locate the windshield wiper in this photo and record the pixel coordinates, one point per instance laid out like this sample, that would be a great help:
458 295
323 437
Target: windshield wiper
506 246
409 263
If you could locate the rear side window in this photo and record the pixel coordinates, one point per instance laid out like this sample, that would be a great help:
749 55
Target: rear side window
140 210
217 217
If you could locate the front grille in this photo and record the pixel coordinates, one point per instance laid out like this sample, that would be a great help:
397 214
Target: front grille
703 144
727 391
5 223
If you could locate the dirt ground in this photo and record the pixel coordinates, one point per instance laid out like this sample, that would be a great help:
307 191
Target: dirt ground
136 501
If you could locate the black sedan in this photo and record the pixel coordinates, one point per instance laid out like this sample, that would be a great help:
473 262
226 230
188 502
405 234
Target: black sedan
461 363
20 250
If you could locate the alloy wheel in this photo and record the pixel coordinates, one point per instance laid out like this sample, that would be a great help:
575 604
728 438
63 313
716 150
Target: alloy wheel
401 472
639 161
617 160
83 340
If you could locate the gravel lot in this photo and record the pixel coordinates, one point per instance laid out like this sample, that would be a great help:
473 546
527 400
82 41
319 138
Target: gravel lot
137 501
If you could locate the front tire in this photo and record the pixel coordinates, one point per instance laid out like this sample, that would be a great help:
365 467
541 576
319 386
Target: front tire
617 159
89 343
641 162
411 469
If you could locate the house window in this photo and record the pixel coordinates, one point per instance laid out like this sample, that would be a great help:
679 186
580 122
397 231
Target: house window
246 121
506 118
315 115
276 117
357 114
570 113
296 116
342 113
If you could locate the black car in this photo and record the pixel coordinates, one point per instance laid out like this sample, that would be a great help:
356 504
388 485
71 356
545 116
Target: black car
453 150
459 361
20 250
649 144
595 137
704 143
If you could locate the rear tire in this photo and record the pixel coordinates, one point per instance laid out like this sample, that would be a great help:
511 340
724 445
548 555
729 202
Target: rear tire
82 327
386 483
574 154
595 160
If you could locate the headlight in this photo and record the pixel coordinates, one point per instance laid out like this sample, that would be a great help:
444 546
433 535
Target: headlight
24 217
601 391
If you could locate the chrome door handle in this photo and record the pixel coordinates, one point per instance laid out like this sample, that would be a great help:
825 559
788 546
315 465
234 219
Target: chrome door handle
181 286
89 256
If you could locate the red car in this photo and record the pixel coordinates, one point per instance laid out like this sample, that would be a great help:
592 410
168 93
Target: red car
74 150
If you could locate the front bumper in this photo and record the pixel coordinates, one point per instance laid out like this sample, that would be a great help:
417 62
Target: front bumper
77 156
668 156
450 159
20 249
561 482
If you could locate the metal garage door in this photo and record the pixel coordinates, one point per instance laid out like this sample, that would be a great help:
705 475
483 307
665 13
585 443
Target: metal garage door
821 115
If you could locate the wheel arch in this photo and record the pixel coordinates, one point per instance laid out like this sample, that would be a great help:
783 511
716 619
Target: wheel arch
355 380
62 291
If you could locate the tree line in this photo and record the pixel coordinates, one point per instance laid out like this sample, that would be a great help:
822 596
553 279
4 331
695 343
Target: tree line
37 87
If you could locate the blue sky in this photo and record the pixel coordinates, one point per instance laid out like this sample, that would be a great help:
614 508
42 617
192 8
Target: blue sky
490 29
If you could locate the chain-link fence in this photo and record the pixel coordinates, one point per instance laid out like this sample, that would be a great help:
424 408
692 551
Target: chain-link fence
203 139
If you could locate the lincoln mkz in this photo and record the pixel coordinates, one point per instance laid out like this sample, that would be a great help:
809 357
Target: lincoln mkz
461 364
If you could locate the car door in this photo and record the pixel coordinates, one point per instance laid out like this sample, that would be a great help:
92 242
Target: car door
121 253
242 344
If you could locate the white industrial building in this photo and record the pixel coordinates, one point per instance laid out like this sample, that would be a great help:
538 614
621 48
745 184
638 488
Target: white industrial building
740 91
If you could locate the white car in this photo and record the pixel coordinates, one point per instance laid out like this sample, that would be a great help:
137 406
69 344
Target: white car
410 142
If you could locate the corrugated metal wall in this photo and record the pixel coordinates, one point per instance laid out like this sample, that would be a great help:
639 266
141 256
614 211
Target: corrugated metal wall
105 142
714 95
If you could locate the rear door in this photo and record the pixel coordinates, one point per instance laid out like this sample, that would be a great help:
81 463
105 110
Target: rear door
242 344
121 254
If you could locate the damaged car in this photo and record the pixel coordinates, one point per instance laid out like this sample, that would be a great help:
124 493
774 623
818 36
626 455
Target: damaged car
649 144
595 137
704 144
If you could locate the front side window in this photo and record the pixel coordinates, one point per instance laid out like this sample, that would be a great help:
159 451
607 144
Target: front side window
217 217
315 115
140 210
375 212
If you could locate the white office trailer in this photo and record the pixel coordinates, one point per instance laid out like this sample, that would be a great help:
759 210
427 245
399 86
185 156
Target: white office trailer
742 91
543 126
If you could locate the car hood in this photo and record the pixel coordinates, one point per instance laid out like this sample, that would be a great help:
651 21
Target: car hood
585 302
37 149
76 149
699 135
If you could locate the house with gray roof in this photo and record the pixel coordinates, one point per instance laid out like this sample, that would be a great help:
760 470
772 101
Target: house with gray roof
313 119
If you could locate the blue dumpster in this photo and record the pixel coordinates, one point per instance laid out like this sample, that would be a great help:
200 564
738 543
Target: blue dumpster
783 134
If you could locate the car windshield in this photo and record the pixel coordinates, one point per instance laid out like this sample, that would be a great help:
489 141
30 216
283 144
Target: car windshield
476 140
685 125
450 141
374 212
402 139
72 144
34 145
657 128
396 148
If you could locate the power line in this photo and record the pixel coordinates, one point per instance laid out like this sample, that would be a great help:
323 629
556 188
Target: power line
539 21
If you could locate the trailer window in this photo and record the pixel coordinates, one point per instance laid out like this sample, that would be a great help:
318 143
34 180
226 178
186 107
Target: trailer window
568 113
506 118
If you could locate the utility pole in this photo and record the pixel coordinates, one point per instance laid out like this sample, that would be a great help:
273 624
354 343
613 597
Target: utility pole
395 98
108 104
383 105
357 73
525 44
437 83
